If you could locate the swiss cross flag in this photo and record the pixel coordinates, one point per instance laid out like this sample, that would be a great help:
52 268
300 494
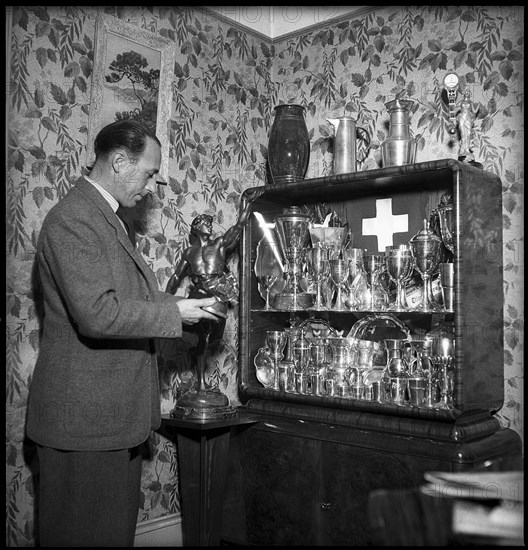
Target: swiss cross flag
378 222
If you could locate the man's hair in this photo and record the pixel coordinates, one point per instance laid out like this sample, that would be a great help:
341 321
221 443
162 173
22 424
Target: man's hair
128 134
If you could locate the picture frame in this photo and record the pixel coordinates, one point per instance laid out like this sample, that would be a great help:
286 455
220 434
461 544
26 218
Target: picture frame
143 92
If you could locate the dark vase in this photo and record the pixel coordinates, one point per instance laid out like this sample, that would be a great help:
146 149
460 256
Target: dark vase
289 145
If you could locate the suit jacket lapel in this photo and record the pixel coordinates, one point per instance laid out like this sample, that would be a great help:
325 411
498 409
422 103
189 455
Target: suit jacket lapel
100 202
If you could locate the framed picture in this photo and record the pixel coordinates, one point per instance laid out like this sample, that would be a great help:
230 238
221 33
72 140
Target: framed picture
132 78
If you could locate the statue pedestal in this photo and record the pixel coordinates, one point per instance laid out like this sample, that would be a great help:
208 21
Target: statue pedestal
203 452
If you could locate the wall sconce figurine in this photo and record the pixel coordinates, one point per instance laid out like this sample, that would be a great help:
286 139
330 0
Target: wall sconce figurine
461 118
451 92
466 119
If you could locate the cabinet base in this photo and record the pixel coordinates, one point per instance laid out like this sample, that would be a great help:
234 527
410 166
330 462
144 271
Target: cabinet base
298 482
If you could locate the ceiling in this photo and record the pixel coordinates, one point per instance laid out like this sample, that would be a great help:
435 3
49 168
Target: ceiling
278 21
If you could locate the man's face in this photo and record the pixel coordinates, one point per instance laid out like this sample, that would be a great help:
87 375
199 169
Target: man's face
137 178
205 226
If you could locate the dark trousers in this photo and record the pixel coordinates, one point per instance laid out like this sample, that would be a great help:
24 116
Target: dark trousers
88 498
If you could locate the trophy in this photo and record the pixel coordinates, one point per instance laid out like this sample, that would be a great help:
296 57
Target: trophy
339 274
426 248
444 221
466 120
317 259
449 95
276 342
374 266
400 265
292 227
444 364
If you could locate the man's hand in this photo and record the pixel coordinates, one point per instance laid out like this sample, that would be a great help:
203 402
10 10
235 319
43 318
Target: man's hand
191 310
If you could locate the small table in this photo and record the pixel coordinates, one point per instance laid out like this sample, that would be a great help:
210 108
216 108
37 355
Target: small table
203 448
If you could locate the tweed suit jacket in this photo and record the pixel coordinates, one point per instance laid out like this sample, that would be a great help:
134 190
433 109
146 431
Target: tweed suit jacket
95 384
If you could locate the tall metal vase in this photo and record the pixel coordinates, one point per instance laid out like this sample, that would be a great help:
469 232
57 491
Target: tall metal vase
289 145
400 147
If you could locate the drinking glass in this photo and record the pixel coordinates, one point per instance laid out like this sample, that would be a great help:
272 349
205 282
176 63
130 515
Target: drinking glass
267 267
400 265
276 342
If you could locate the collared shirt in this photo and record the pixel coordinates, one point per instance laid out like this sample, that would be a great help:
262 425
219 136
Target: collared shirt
114 205
109 199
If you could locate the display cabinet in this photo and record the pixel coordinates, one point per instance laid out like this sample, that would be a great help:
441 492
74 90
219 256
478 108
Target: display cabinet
303 474
478 281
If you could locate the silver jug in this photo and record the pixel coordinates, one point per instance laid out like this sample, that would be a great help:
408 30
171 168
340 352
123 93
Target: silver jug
400 147
346 135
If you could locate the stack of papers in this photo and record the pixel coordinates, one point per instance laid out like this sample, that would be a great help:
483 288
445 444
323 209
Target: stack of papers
491 503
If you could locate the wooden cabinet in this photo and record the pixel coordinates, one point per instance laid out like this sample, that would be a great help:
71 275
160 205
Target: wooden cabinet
303 474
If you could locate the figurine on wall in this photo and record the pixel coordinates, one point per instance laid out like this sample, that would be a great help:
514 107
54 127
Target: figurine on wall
465 122
204 262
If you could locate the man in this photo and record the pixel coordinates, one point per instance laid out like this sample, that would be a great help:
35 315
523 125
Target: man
94 397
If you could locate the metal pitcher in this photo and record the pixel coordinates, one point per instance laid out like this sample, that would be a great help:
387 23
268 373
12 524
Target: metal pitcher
345 152
400 147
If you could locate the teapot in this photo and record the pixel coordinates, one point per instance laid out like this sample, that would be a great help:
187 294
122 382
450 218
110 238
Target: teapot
346 135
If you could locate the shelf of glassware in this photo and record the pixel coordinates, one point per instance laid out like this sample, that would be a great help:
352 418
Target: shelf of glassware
477 212
343 323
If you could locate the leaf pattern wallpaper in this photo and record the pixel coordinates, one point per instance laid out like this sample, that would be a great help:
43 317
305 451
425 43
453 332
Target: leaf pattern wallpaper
225 85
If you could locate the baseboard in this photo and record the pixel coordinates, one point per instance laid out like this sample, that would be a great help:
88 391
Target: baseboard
164 531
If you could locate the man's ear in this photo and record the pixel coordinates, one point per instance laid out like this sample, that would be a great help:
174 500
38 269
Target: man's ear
118 160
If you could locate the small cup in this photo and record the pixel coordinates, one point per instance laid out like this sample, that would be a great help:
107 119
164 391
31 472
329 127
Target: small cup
447 296
447 274
302 382
330 387
316 384
375 391
417 389
357 391
286 376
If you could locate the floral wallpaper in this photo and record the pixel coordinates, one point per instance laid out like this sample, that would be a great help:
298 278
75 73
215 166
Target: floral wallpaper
225 85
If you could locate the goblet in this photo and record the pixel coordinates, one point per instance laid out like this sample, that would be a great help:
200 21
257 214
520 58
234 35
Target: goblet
339 274
276 342
317 261
444 373
267 267
294 259
374 265
327 288
356 275
400 265
444 378
426 249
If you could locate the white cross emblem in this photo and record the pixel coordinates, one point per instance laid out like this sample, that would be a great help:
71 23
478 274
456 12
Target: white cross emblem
385 224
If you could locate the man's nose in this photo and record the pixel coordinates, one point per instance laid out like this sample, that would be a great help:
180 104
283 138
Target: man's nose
151 186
